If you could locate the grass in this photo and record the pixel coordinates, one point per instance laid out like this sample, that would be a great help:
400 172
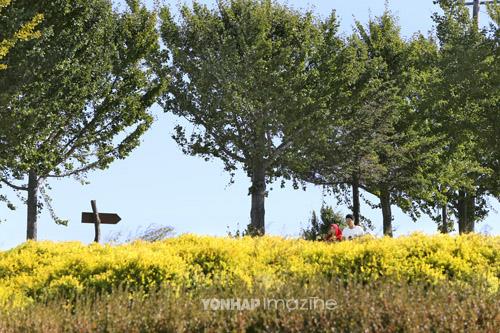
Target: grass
380 306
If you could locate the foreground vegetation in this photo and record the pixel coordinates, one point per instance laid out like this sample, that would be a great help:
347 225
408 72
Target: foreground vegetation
414 283
374 307
35 271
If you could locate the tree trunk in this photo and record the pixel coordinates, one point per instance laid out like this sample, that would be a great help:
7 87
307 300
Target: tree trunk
475 12
471 212
444 220
465 212
32 203
258 192
462 217
355 200
385 203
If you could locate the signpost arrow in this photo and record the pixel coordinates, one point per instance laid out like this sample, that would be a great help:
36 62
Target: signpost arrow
106 218
97 218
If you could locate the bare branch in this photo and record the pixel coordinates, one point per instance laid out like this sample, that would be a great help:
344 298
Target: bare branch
14 186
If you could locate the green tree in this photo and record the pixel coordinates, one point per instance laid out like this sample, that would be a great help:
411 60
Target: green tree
242 76
378 140
17 29
408 151
343 155
463 105
326 156
84 98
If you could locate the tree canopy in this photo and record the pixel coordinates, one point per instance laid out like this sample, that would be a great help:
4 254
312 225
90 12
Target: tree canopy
241 75
376 138
463 103
84 97
276 92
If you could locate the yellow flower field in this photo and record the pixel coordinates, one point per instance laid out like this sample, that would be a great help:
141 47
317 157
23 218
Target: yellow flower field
35 270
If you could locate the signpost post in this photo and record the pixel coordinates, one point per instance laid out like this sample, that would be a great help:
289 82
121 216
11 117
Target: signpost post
99 218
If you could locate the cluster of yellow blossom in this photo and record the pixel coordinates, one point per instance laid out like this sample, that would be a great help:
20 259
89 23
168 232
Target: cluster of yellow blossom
35 270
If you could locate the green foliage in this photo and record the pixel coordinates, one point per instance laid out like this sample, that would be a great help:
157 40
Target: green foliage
406 150
17 29
240 75
316 229
246 61
85 91
275 91
376 134
463 104
494 11
102 85
329 216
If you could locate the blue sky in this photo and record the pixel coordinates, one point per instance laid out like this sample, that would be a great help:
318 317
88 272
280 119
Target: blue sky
157 184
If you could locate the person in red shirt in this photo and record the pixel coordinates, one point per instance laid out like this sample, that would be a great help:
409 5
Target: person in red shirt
335 234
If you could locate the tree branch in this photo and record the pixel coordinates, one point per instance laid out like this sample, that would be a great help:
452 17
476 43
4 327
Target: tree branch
239 132
15 187
321 181
219 141
285 145
98 111
74 172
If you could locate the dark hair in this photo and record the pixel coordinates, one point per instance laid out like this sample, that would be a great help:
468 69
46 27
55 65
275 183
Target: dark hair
349 216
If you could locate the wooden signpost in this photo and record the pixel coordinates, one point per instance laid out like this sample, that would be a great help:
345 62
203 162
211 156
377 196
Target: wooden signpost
97 218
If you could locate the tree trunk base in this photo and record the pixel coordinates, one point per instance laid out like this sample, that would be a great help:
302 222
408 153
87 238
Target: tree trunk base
385 203
32 206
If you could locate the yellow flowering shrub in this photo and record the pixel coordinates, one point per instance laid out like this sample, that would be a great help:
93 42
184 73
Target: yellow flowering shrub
35 270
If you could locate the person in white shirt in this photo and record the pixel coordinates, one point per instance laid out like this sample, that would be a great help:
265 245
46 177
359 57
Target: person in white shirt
351 231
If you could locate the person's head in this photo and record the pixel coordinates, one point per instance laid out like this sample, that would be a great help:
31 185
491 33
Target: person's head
350 220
